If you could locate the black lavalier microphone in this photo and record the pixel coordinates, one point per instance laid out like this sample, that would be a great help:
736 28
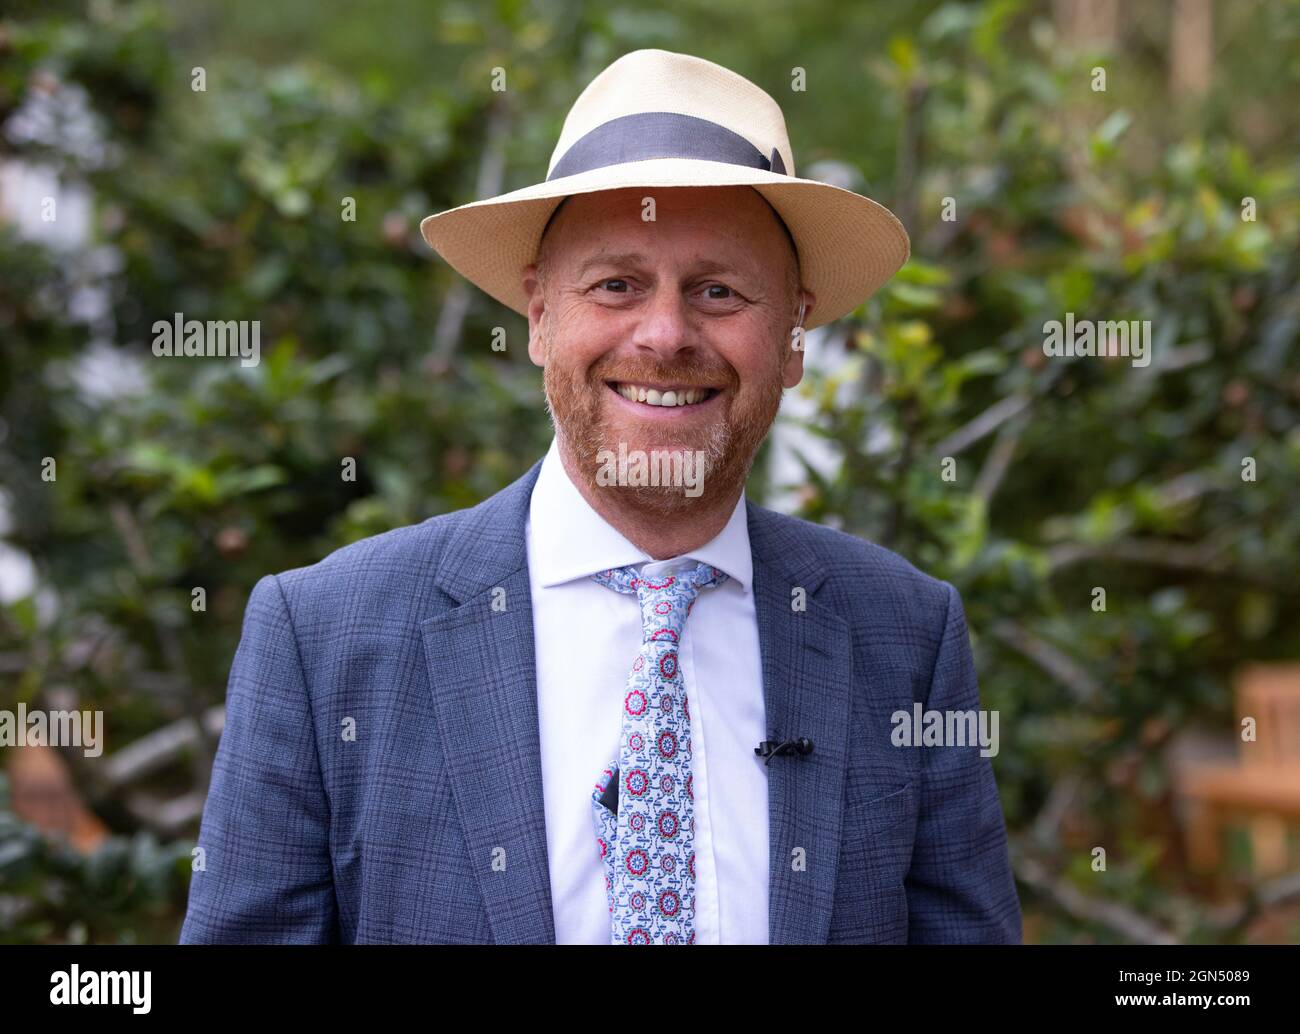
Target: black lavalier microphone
769 749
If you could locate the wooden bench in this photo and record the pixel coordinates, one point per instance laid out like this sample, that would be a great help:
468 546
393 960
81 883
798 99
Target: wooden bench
1263 788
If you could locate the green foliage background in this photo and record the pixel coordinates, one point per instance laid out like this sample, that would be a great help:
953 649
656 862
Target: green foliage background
226 204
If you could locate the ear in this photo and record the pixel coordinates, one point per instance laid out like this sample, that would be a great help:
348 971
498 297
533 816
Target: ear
536 306
792 372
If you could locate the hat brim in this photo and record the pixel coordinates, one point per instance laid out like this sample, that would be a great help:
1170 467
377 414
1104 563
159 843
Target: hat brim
849 245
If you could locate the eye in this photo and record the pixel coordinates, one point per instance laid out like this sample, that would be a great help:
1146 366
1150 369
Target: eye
721 293
613 280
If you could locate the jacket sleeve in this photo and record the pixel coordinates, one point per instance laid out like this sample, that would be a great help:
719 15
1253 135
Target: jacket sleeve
960 888
266 876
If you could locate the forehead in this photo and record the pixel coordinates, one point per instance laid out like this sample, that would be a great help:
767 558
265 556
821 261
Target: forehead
732 223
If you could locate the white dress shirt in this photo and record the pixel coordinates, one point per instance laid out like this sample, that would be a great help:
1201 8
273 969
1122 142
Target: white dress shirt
586 638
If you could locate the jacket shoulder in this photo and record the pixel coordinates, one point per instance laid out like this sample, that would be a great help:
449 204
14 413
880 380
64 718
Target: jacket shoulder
392 573
859 570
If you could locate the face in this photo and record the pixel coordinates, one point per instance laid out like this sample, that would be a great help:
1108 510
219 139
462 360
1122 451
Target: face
669 335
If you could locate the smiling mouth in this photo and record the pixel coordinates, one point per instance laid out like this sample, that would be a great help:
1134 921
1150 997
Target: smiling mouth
665 396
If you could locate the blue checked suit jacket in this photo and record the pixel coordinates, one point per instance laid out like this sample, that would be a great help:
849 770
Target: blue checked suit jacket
312 836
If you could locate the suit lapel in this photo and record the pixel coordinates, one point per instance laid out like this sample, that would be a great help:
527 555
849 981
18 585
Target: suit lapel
482 675
807 669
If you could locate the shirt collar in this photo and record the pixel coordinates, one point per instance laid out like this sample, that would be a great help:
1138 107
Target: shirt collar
570 540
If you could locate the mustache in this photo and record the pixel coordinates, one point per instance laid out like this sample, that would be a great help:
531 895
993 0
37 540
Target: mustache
688 373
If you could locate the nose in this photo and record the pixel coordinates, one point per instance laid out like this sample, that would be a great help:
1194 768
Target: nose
664 327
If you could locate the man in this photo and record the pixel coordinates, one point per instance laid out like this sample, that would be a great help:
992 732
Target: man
499 725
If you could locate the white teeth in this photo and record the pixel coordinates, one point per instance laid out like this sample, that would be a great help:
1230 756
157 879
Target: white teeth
654 397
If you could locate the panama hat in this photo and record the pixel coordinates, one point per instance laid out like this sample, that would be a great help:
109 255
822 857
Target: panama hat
654 118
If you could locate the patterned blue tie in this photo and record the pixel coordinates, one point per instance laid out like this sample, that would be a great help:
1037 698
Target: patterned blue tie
644 818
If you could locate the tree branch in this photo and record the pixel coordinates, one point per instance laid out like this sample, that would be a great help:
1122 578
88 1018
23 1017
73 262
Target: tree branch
1050 658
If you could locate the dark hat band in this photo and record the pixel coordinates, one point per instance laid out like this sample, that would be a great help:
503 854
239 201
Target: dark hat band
661 134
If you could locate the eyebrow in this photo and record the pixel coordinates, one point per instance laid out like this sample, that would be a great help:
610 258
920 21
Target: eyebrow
635 258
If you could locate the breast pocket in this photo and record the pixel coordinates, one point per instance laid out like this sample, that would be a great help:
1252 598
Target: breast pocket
879 814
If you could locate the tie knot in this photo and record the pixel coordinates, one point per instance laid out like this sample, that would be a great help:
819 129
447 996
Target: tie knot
665 599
